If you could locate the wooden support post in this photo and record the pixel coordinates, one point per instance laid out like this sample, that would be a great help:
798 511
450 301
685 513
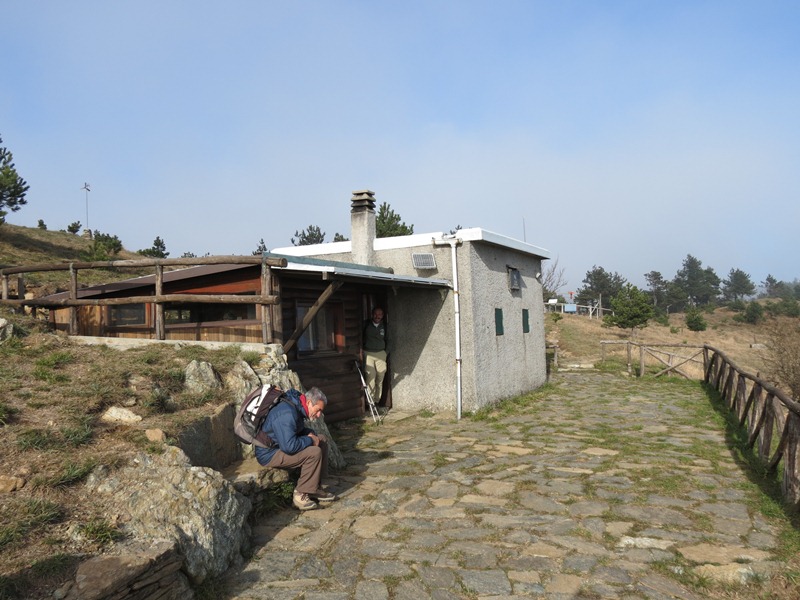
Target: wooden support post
266 310
5 287
161 332
73 295
277 311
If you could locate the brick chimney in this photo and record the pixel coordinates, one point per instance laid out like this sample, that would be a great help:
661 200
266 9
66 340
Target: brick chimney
362 226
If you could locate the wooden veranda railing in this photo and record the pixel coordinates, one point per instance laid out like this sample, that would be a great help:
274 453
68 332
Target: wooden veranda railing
771 417
159 299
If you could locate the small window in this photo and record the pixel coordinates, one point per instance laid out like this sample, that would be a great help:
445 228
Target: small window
498 321
324 334
514 279
526 327
126 314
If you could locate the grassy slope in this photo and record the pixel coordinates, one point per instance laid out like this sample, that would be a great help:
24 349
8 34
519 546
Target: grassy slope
20 246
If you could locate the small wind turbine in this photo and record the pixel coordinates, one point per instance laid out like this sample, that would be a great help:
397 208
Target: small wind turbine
86 187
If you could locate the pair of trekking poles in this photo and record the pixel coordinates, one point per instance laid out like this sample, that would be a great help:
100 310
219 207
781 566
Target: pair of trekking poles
373 408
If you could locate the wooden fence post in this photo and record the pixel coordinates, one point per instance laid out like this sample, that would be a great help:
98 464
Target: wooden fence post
161 330
641 361
790 485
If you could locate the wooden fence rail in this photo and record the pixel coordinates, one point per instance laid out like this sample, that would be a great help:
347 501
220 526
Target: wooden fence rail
159 299
771 417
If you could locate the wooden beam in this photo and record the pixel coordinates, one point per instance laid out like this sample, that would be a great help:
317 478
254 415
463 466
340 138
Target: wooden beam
312 312
148 262
165 298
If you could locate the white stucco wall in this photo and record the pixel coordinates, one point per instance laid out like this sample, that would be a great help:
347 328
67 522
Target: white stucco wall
500 366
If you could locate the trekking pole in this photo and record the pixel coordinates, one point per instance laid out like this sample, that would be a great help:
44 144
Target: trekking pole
373 409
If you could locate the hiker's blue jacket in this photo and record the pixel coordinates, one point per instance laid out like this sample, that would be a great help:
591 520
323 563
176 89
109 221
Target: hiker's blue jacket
285 425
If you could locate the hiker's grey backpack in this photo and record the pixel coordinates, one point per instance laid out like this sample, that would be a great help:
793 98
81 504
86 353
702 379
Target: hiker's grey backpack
252 414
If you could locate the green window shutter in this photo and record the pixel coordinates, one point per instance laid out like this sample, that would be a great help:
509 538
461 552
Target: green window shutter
526 328
498 321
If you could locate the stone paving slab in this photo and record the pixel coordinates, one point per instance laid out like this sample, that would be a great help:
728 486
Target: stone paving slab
604 487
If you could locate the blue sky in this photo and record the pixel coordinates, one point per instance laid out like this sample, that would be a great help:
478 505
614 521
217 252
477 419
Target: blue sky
619 134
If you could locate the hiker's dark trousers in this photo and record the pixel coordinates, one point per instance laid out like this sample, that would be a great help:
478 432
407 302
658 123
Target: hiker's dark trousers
313 463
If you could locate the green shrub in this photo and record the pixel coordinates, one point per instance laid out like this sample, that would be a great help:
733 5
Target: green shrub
737 305
662 318
754 313
695 320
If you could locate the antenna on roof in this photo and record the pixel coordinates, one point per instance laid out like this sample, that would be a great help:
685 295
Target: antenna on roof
86 187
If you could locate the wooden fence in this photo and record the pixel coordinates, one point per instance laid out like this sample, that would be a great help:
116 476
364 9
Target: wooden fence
685 360
159 299
770 416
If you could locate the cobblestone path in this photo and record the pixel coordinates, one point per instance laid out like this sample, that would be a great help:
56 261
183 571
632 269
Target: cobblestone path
599 487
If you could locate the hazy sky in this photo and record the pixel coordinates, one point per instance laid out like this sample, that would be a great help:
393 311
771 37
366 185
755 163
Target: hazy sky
623 134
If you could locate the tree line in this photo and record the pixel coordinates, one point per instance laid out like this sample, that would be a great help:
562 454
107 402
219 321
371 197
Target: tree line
693 290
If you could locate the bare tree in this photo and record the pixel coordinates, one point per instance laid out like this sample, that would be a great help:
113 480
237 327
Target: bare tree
783 354
553 279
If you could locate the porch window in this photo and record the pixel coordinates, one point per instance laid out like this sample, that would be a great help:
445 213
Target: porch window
126 314
202 313
326 331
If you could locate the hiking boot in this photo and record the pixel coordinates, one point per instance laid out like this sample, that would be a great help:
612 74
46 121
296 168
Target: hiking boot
303 501
323 497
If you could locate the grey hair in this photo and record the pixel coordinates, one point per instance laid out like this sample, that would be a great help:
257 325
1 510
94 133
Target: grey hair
315 395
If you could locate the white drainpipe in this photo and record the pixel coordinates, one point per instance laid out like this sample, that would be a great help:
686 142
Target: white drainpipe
453 241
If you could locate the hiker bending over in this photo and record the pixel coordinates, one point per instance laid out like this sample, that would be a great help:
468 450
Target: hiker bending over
295 445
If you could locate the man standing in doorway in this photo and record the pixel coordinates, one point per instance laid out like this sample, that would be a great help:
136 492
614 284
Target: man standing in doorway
374 354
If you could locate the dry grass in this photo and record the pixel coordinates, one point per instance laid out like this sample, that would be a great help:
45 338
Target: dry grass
51 436
579 338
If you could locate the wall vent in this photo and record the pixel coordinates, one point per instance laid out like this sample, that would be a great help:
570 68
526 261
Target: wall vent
423 260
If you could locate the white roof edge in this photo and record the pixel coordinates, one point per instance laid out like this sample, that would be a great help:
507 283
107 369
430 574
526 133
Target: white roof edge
314 249
473 234
476 234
